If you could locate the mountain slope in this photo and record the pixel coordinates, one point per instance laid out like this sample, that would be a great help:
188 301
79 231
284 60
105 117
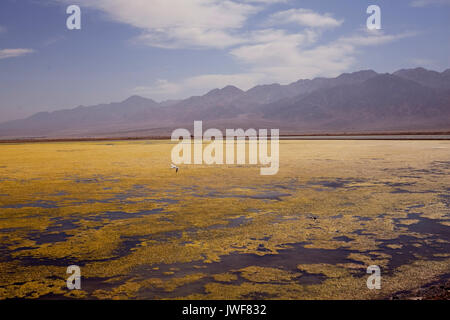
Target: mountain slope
412 99
427 78
385 101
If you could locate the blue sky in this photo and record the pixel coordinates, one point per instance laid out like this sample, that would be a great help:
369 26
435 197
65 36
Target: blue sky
169 49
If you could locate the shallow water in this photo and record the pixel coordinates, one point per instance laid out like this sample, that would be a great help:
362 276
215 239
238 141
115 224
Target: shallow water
138 230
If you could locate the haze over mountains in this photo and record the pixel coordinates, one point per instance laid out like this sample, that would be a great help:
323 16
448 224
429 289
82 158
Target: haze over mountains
364 101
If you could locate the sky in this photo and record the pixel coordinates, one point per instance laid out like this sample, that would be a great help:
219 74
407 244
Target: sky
172 49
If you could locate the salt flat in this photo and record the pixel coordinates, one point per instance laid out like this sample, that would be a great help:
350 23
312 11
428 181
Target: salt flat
137 229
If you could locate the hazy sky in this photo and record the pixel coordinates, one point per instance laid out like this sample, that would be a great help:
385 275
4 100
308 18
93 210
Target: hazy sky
167 49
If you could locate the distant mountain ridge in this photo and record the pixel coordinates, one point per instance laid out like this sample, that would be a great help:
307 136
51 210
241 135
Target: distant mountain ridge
408 99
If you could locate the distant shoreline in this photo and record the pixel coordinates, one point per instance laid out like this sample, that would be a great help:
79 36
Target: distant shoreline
436 135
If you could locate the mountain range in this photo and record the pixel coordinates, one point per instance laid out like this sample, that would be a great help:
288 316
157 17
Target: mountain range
363 101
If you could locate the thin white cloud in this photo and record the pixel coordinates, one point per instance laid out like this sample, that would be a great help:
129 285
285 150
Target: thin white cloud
181 23
190 37
11 53
288 57
197 85
374 37
267 1
422 62
277 56
304 17
272 47
265 54
426 3
53 40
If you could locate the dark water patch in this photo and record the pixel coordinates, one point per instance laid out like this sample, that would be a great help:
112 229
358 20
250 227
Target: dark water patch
11 230
400 256
193 287
259 296
445 198
123 199
398 190
330 184
348 204
40 261
231 223
120 215
129 243
126 246
410 177
76 202
343 238
262 248
165 200
138 191
165 219
409 172
30 260
416 206
44 204
279 186
55 194
399 184
432 171
337 183
22 249
407 253
88 285
44 237
93 179
428 226
364 218
271 195
281 219
266 196
288 258
438 289
441 164
263 238
363 232
311 278
62 224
